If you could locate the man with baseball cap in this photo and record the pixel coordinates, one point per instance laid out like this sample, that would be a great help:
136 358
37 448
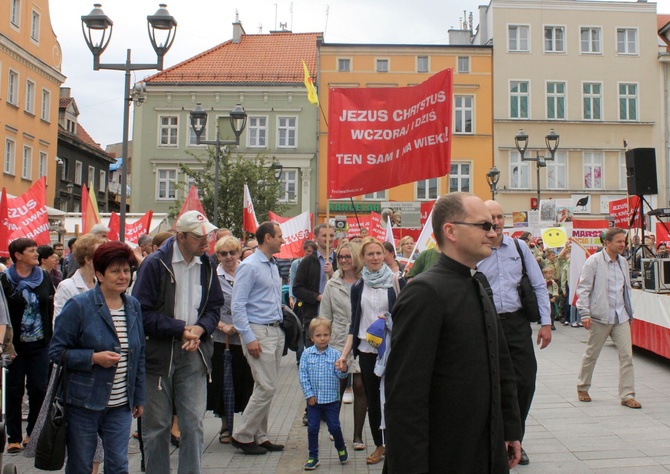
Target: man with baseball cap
181 299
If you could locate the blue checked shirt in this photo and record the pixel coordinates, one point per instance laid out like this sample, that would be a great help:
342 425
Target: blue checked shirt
318 375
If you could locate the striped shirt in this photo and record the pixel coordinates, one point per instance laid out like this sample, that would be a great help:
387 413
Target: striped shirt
119 395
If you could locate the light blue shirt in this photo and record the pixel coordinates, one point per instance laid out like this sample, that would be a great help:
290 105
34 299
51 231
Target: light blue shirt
503 271
318 376
615 290
256 295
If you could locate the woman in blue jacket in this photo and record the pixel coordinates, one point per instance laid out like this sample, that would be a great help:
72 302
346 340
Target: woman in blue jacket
102 332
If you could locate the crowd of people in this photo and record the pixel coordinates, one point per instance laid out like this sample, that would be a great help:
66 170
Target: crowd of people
165 331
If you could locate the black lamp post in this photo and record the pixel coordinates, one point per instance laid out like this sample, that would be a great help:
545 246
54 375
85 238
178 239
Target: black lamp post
492 177
551 142
238 121
70 192
277 169
99 25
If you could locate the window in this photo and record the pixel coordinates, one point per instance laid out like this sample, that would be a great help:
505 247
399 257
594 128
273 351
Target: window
422 64
459 177
626 41
102 181
42 165
427 189
288 186
517 38
286 132
63 170
382 65
15 12
78 171
463 64
30 97
257 130
167 184
556 100
70 125
592 100
378 196
554 39
35 26
590 40
10 156
46 105
192 139
518 100
90 178
518 171
27 163
463 113
13 88
169 128
344 64
623 172
593 170
557 171
628 102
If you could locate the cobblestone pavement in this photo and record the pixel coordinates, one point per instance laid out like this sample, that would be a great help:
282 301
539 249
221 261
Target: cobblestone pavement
563 434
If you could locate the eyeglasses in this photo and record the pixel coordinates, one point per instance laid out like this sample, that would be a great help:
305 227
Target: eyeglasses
485 226
199 238
223 253
344 257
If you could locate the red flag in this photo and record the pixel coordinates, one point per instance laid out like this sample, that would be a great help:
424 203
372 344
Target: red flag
249 221
379 138
277 218
89 211
25 216
134 230
191 203
114 226
295 231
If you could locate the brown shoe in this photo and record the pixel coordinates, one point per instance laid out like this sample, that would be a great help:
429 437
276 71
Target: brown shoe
631 403
13 448
583 396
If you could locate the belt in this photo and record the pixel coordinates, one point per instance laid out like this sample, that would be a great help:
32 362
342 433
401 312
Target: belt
275 324
509 315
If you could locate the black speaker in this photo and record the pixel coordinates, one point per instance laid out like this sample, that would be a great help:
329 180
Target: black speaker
641 171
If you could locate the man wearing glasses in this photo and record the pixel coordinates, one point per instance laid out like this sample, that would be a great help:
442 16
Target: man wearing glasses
181 298
450 390
503 271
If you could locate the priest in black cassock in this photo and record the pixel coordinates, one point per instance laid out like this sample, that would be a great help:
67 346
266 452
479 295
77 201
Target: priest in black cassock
450 391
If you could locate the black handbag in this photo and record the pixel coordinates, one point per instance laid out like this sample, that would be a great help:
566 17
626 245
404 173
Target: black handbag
526 291
50 449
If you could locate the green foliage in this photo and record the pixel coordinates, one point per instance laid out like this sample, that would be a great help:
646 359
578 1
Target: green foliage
234 173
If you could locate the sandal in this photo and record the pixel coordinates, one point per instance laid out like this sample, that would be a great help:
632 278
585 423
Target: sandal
224 437
631 403
13 448
376 456
359 446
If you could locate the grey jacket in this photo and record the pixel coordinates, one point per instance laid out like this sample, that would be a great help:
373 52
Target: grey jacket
592 300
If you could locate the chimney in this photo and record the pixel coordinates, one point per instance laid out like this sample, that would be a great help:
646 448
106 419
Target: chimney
460 37
64 92
238 30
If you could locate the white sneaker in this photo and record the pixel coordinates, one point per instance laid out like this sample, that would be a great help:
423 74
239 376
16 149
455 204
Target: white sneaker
348 396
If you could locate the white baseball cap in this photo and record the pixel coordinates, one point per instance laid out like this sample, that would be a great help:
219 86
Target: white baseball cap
194 222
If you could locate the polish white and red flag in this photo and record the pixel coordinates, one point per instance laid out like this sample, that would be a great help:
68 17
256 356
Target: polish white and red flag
249 221
295 231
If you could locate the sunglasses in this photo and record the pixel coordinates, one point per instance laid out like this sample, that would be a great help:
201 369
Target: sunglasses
223 253
485 226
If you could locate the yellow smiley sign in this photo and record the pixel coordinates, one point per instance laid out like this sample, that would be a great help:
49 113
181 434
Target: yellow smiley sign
554 237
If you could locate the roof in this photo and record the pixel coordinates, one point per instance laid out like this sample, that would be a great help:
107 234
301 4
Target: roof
82 136
64 102
662 21
273 58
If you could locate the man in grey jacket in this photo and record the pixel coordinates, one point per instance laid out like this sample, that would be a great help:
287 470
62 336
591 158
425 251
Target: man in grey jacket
603 299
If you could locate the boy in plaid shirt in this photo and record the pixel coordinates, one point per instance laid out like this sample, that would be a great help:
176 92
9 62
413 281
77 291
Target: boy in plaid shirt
320 384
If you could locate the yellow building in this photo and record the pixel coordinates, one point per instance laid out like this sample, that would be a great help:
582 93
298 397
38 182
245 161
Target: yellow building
351 65
30 79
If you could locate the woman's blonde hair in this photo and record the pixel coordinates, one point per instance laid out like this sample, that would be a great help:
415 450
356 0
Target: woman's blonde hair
228 241
85 247
366 242
355 257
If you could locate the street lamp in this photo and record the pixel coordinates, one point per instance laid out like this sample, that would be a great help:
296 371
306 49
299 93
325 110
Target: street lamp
97 30
277 169
238 120
551 142
492 177
70 192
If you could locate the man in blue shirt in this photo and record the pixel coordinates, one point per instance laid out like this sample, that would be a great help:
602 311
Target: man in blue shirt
503 271
257 315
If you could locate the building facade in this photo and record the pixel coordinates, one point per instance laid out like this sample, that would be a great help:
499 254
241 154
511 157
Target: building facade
30 78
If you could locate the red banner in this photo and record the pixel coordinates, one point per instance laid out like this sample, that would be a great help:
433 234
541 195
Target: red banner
133 231
379 138
622 213
25 216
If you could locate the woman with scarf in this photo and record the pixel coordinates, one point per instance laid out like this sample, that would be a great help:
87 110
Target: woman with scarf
29 293
372 296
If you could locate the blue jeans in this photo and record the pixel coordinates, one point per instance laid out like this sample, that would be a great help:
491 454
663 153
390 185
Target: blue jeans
186 390
84 425
331 411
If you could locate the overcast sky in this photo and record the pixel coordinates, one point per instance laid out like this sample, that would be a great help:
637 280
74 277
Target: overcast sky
203 24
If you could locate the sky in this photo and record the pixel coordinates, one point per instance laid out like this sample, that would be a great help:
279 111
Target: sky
203 24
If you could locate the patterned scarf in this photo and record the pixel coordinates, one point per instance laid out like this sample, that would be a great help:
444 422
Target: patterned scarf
382 278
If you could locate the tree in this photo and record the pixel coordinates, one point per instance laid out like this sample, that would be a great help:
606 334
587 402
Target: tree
234 173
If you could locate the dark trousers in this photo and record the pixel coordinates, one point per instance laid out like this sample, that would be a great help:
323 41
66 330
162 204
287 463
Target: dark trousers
371 386
30 369
331 412
520 343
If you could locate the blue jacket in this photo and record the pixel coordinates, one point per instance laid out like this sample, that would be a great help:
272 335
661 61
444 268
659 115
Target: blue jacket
85 326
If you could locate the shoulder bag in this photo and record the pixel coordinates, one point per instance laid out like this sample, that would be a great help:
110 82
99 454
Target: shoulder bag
50 450
526 291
